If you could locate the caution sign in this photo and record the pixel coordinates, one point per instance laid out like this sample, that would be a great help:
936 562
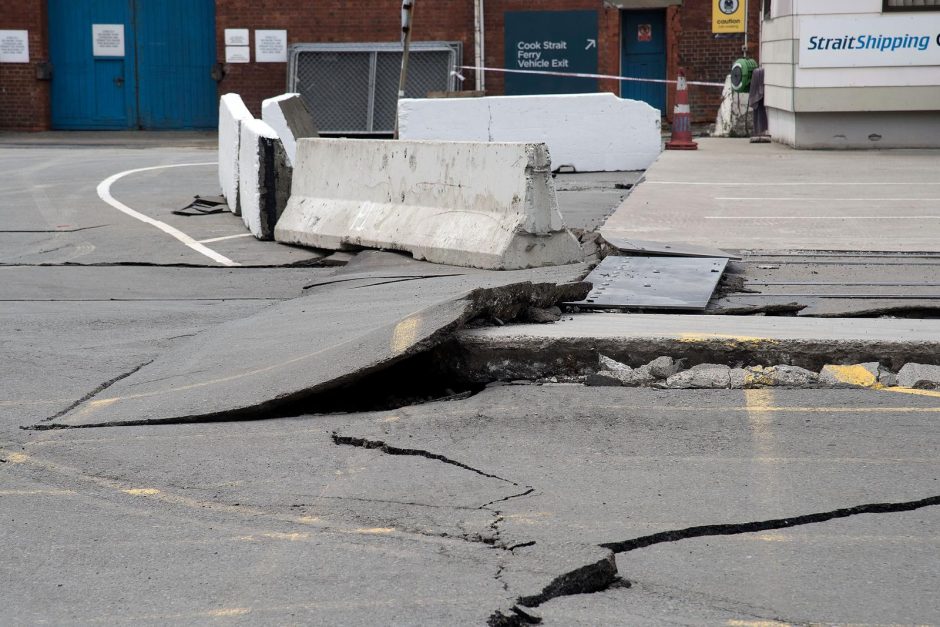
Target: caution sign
728 16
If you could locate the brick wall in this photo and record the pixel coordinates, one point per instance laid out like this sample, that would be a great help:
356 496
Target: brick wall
705 57
24 100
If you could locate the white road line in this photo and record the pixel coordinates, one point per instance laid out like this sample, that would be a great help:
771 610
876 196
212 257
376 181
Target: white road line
756 184
104 192
220 239
830 199
822 217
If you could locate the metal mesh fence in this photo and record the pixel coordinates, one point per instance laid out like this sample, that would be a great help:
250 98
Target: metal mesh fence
903 5
353 89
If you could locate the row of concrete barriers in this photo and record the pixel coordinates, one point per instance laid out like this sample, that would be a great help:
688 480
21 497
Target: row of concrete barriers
479 203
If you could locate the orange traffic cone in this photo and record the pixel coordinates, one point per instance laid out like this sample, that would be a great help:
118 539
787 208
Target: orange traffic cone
682 118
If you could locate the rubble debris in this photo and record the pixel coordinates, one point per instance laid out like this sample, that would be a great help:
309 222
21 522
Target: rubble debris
919 377
866 375
782 376
701 377
541 315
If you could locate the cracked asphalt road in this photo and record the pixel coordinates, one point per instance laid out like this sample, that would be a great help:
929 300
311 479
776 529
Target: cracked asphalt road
782 506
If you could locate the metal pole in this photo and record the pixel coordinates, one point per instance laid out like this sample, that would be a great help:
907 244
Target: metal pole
747 17
407 10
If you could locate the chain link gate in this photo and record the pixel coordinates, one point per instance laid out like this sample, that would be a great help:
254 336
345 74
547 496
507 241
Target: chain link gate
352 89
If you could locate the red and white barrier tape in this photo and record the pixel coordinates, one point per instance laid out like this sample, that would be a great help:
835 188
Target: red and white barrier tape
581 75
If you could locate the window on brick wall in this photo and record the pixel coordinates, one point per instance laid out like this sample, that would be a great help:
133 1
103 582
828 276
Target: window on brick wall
912 5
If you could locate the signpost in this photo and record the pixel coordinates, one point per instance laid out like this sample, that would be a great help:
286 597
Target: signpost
556 41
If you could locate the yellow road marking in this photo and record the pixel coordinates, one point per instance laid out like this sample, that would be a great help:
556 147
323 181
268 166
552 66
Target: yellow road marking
856 375
141 491
931 393
389 419
689 338
756 623
227 612
290 537
405 334
36 492
375 530
17 458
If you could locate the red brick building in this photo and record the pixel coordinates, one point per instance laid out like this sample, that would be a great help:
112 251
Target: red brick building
48 90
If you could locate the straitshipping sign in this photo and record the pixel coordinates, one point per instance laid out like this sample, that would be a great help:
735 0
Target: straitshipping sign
870 41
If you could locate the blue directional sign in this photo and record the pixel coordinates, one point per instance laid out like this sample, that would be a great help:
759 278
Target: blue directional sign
554 41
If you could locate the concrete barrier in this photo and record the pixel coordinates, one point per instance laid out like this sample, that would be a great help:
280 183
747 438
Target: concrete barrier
290 118
264 177
231 113
588 132
484 205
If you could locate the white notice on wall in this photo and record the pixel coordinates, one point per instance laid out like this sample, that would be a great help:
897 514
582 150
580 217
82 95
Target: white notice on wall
238 54
107 40
236 37
14 46
271 46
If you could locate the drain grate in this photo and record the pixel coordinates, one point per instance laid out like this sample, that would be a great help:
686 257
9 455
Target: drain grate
654 283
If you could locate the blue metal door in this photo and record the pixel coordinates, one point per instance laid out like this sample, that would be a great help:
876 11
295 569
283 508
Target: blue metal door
88 91
175 55
162 79
644 56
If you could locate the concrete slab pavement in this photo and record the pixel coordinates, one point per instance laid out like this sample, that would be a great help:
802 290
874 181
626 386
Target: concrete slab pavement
741 196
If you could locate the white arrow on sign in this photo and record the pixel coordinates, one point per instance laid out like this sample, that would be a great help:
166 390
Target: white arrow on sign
591 43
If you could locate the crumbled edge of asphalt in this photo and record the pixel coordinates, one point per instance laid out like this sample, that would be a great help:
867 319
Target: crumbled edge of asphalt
500 303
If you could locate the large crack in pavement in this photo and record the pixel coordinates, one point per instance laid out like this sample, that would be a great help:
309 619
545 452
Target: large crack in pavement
494 538
601 575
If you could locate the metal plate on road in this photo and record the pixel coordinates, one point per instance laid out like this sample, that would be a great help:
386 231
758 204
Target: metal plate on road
654 283
669 249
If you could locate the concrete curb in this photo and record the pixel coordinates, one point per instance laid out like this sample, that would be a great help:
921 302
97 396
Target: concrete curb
571 347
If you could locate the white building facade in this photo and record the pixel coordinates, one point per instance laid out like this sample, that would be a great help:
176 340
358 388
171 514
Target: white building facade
852 73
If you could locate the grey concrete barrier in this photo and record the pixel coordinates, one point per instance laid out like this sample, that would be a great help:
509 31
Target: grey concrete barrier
484 205
290 118
587 132
264 178
232 111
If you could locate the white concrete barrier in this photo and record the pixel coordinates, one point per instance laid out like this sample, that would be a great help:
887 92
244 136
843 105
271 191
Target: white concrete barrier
290 118
588 132
484 205
264 177
231 113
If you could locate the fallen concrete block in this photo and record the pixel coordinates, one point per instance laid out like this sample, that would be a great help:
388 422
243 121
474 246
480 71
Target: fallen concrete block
264 178
232 111
919 376
663 367
290 118
701 377
854 376
482 205
587 132
606 363
780 376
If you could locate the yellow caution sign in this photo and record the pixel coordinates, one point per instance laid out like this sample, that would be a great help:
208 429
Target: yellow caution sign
728 16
